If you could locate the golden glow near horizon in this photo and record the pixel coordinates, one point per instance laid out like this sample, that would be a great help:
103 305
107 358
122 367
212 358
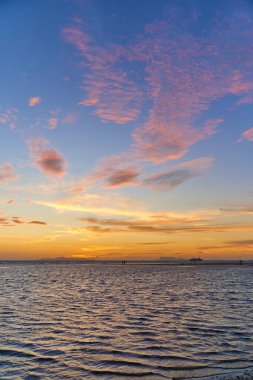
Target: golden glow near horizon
126 135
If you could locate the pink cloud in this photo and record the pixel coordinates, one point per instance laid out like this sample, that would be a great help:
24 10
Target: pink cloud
247 135
122 177
46 159
248 99
50 161
181 75
185 74
7 173
115 171
108 87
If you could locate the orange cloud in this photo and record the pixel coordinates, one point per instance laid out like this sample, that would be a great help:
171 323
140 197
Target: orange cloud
240 242
7 173
16 220
37 222
168 226
33 101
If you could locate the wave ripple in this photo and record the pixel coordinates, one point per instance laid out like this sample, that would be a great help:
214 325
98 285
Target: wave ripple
70 321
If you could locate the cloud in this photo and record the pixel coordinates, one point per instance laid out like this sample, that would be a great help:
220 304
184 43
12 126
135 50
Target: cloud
13 221
246 135
34 101
50 161
81 206
107 84
231 245
240 207
156 225
117 170
172 178
120 170
240 242
9 117
47 160
114 171
53 122
122 178
7 173
70 118
37 222
17 220
180 73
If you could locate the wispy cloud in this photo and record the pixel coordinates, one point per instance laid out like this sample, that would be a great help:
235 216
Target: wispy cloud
17 220
46 159
107 84
75 206
122 170
34 101
118 170
9 117
239 208
156 225
111 172
13 221
182 75
170 179
7 173
38 222
240 242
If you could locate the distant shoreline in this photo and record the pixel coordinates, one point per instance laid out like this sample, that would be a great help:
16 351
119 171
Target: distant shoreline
133 262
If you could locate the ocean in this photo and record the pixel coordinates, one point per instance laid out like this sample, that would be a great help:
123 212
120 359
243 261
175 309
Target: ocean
109 321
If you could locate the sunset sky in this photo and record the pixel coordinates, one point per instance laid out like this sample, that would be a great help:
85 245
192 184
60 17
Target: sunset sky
126 129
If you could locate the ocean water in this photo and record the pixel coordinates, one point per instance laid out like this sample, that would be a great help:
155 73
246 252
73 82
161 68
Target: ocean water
79 321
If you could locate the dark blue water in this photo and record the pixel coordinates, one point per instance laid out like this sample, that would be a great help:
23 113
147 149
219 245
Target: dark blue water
79 321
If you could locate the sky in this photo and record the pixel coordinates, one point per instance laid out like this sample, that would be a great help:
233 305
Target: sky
126 129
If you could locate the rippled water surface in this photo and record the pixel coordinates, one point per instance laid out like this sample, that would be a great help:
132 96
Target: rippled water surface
70 321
